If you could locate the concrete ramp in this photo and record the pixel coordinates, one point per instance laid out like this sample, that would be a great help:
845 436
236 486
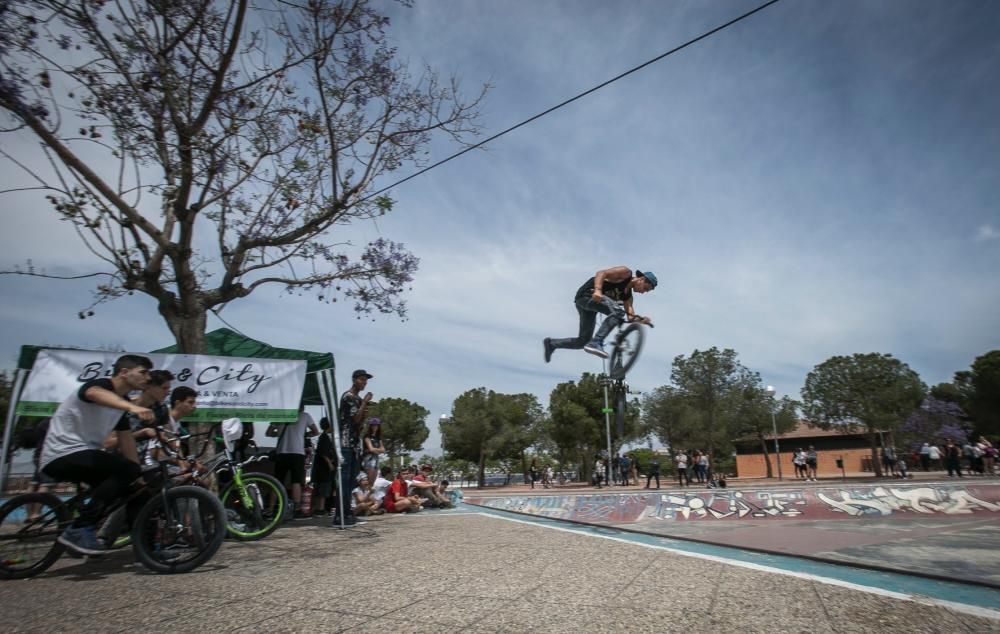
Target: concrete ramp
947 530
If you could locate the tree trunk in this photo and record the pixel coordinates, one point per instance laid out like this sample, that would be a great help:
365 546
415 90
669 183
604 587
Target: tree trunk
767 456
188 328
876 463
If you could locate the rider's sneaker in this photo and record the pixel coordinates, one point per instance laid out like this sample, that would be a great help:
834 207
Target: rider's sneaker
82 540
548 349
596 348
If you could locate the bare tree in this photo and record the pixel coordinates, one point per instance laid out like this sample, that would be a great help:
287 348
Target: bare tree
203 149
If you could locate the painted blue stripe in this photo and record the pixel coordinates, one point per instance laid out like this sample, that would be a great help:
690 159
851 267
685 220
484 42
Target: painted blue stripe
906 584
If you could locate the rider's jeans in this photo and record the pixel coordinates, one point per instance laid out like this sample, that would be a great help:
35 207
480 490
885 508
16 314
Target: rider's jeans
109 475
350 467
588 310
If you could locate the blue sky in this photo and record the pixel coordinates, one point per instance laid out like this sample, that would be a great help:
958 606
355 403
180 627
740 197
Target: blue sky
820 179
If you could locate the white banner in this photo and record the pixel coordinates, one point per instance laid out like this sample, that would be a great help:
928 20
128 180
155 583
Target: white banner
267 390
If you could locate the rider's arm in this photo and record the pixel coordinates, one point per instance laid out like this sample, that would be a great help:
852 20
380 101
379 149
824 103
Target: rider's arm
614 274
107 398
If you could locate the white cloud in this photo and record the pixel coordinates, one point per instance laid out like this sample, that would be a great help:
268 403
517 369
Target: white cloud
987 232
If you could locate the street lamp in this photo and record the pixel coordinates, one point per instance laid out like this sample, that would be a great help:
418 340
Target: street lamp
774 427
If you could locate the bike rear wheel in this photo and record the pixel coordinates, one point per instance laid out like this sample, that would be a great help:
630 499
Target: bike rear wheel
268 502
29 527
180 533
626 350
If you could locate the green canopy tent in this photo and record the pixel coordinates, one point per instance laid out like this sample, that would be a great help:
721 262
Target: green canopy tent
320 387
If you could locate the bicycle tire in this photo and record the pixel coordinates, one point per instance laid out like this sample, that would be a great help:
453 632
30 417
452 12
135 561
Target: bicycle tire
271 500
29 548
167 550
626 349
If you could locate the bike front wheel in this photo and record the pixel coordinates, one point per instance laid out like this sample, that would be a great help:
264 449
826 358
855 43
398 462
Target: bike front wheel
626 350
29 527
260 512
179 530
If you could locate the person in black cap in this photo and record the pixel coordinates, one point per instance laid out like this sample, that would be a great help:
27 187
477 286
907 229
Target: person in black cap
609 292
353 411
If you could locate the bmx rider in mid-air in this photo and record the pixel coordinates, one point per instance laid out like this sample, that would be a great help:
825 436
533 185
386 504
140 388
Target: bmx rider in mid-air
608 292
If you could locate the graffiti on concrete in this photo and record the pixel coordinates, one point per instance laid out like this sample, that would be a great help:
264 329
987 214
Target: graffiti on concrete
732 504
728 504
886 501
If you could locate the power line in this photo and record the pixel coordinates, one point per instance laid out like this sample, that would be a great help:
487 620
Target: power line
572 99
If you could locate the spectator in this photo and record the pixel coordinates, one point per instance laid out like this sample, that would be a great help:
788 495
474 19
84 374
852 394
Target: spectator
812 459
935 454
703 467
40 481
397 499
799 461
452 495
925 456
653 471
888 461
547 476
598 473
681 460
901 468
634 469
422 486
290 458
373 448
624 465
362 501
533 472
322 468
989 457
952 455
353 411
381 485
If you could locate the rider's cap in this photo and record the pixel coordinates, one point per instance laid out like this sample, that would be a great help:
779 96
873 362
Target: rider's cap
649 276
363 373
373 421
362 476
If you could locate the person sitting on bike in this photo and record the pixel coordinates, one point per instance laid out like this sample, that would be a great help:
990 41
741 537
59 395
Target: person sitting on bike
73 449
608 292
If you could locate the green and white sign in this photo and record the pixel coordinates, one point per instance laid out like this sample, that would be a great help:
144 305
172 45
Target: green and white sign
266 390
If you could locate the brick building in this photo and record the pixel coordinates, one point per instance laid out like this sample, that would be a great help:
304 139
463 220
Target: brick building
853 448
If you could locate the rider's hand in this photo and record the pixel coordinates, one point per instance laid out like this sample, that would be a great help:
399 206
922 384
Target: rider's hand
597 296
143 413
368 397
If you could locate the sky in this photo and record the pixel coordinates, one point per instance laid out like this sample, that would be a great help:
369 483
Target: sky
819 179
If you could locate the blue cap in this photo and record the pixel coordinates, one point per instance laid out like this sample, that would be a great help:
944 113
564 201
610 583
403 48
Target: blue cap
649 276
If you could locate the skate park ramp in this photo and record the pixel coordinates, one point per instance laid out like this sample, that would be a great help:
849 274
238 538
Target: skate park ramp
945 530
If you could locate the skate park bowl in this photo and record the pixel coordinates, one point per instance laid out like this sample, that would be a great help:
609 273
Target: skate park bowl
947 530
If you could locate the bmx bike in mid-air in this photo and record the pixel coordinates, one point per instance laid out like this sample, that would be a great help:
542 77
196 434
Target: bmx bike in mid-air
625 351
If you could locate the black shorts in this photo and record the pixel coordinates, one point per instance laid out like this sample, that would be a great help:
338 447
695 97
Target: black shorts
293 464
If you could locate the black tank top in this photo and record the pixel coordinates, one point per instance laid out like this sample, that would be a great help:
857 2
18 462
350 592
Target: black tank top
612 290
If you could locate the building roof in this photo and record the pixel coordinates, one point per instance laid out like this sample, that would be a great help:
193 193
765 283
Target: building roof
805 430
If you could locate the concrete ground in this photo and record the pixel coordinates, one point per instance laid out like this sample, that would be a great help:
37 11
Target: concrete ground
444 571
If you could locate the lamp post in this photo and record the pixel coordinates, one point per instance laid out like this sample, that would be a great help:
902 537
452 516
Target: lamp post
774 428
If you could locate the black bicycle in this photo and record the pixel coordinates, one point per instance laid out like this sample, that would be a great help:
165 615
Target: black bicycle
626 348
176 529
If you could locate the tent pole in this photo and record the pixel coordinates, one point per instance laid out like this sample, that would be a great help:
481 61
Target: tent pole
8 429
328 388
